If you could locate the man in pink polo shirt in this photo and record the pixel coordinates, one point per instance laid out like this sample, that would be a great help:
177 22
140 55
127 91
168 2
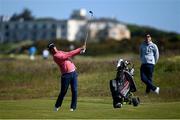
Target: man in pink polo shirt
68 71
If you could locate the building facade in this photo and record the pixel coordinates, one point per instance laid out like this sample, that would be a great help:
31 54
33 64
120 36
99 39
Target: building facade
72 29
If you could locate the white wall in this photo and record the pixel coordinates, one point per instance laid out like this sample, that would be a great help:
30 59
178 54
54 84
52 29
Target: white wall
73 28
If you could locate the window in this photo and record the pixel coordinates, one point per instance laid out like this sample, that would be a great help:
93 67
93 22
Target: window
53 26
25 36
113 33
16 26
14 36
7 34
25 26
35 26
64 34
34 35
7 26
63 26
44 35
53 34
44 26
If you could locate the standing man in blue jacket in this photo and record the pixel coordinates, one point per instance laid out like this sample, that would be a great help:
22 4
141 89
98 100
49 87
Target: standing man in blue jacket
149 55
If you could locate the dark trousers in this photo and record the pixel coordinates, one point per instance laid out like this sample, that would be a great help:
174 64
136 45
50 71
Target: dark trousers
146 72
66 79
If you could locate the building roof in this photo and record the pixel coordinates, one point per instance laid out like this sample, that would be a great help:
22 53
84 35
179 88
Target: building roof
112 20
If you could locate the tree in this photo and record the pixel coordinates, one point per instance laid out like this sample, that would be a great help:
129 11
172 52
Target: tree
24 15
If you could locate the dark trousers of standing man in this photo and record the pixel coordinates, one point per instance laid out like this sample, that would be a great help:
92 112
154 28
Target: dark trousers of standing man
66 79
146 76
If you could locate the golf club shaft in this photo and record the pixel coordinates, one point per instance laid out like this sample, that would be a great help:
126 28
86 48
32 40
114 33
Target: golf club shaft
87 34
88 27
87 31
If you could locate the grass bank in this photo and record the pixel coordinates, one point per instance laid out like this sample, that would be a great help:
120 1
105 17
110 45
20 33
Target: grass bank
24 79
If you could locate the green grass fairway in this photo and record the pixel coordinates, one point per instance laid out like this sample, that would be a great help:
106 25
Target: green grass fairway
87 108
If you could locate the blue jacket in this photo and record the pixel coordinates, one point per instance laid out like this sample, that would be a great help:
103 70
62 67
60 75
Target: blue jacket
149 53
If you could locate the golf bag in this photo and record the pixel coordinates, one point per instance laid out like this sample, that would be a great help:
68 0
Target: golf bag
123 86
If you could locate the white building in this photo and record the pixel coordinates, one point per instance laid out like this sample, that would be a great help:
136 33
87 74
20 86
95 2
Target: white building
29 30
109 29
4 18
75 29
72 29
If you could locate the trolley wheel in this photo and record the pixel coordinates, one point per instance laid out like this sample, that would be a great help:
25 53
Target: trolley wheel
135 101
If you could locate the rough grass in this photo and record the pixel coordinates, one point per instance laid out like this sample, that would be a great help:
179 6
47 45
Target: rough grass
88 108
28 89
21 78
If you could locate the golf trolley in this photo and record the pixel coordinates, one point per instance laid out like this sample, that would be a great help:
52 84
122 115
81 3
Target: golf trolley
123 86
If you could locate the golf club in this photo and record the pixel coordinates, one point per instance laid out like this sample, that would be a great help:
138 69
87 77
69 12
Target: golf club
87 31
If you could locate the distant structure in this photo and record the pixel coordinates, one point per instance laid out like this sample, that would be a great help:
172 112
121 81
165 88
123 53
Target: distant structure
4 18
71 29
32 51
106 28
45 54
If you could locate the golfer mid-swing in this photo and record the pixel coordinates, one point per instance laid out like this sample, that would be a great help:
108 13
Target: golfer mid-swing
68 71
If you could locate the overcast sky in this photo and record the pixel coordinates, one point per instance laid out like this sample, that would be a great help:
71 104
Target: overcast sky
161 14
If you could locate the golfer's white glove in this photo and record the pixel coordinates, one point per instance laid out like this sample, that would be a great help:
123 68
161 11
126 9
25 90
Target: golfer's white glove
83 51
